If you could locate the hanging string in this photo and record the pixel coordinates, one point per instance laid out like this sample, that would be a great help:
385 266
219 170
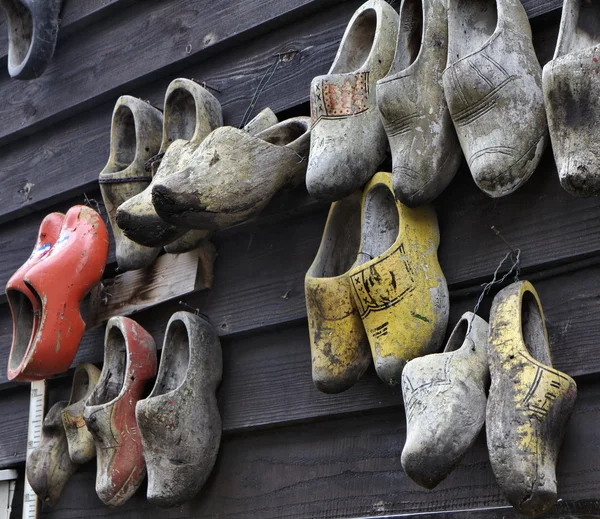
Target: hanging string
515 257
264 81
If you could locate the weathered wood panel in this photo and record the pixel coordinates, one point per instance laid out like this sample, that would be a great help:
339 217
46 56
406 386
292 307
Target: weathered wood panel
347 467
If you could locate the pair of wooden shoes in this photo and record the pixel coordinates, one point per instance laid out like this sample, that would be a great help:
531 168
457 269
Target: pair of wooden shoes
440 77
45 293
526 412
173 434
375 289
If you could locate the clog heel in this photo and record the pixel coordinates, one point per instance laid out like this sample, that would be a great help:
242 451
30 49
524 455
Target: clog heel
179 422
80 442
190 114
397 283
445 396
338 341
529 403
109 413
233 175
24 306
49 467
425 149
81 250
32 33
348 140
572 96
493 87
135 138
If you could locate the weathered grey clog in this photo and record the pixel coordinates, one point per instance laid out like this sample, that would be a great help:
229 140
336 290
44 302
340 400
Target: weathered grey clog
529 403
233 175
398 285
109 413
493 87
338 342
81 444
136 134
179 422
49 466
572 96
348 140
32 33
191 113
425 149
445 402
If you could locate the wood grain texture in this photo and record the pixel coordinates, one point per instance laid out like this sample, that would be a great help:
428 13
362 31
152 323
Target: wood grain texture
170 276
345 467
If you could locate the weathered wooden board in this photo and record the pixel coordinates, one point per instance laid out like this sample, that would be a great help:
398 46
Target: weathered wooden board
346 467
170 276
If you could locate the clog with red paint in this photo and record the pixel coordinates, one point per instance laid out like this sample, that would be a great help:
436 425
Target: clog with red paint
129 363
58 284
23 304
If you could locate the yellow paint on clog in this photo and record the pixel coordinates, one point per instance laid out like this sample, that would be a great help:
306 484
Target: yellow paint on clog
401 294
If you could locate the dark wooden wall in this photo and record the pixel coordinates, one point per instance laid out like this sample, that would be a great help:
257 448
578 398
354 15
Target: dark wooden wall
288 451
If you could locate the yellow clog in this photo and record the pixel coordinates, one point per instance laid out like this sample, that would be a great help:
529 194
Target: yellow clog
529 402
397 284
339 345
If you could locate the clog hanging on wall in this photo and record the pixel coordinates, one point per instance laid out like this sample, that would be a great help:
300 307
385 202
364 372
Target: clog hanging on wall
348 140
32 33
179 422
135 137
493 87
572 95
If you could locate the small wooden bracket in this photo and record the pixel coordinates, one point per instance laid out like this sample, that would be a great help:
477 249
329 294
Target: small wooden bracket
170 276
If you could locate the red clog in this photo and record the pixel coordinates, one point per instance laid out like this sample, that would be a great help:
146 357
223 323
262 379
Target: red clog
109 413
69 271
24 307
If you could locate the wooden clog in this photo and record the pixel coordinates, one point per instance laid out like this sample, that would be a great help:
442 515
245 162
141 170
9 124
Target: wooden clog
179 422
338 342
190 114
24 306
109 413
32 33
572 96
80 250
398 286
233 175
135 137
81 444
493 87
445 396
425 149
529 403
49 466
348 140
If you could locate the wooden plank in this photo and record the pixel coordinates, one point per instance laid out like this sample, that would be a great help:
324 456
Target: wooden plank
169 277
32 169
347 467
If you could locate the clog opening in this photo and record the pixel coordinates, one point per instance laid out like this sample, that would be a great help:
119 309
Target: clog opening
380 225
113 373
470 24
175 359
534 329
458 336
357 44
123 139
180 115
284 133
20 29
341 240
24 326
410 35
587 28
81 385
